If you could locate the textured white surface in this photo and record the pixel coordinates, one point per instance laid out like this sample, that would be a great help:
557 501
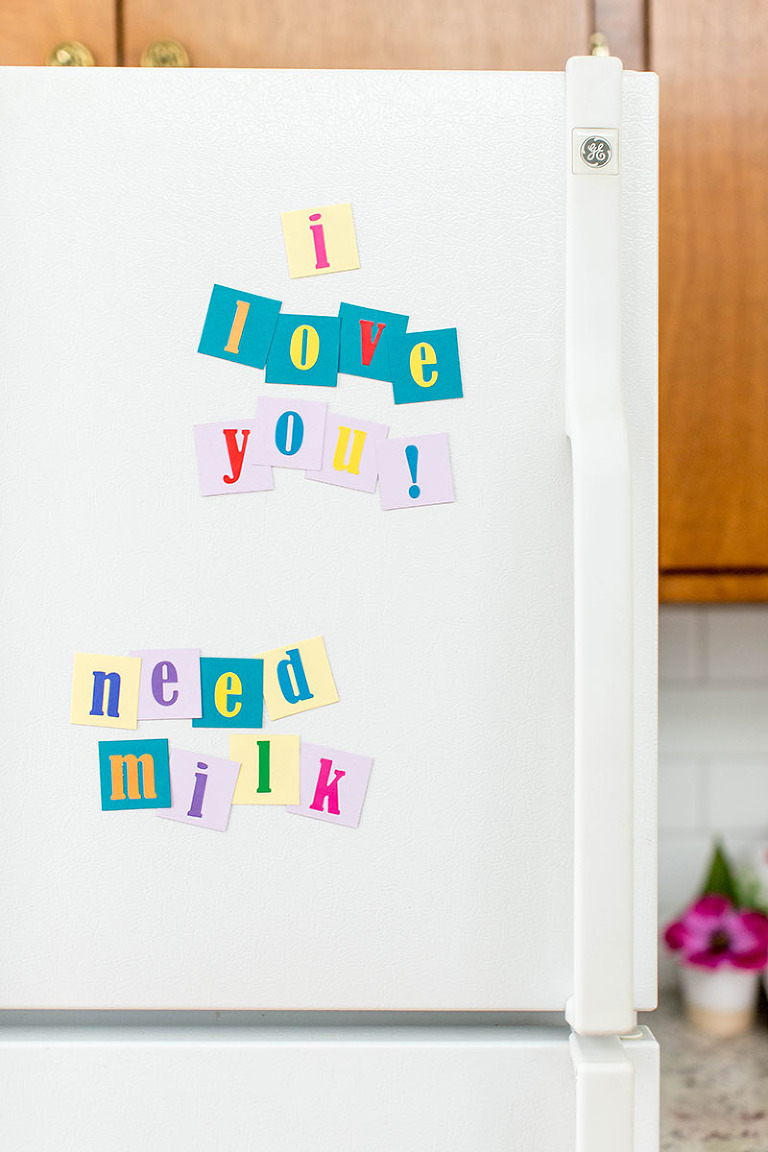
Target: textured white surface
124 196
457 1090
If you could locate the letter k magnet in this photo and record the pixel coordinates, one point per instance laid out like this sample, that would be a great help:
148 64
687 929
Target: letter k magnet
332 785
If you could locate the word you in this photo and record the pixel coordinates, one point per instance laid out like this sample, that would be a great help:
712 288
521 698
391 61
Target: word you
312 350
198 789
238 455
320 240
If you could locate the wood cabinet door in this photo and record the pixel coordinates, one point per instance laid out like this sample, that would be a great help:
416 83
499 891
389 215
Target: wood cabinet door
364 33
713 297
29 31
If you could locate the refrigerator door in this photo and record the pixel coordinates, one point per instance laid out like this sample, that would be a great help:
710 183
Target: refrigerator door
125 196
336 1089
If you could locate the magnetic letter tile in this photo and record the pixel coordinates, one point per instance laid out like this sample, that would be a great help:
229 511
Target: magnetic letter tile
349 454
134 774
425 366
105 691
305 350
239 326
415 471
320 240
232 693
333 785
297 678
289 433
269 769
201 789
225 459
169 688
366 337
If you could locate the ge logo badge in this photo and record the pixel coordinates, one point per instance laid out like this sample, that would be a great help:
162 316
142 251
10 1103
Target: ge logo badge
596 151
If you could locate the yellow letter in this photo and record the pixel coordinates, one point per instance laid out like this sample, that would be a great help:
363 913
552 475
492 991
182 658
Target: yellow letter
422 354
341 451
236 331
130 764
305 347
227 685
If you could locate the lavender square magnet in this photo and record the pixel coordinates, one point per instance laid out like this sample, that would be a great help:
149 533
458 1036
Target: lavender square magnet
225 460
169 684
332 785
202 788
349 454
289 433
415 471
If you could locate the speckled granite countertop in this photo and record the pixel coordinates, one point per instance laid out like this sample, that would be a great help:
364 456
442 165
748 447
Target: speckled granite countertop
714 1093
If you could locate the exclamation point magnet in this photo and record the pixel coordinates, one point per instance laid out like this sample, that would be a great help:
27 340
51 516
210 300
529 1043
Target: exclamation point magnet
414 472
412 456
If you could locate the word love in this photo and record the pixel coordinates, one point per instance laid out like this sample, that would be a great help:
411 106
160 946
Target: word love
212 692
198 789
304 349
238 455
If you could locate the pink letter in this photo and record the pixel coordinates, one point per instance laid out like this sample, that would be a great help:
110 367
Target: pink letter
324 790
367 343
236 455
319 238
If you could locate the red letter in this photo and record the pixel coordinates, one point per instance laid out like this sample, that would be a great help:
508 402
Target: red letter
367 343
236 455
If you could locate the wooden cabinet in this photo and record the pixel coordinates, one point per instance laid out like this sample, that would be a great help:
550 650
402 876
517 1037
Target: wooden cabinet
714 197
714 297
364 33
29 31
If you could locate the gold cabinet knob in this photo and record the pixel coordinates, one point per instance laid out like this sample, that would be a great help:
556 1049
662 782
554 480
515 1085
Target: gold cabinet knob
71 54
165 54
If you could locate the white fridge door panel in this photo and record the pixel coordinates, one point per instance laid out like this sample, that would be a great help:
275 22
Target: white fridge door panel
374 1093
125 195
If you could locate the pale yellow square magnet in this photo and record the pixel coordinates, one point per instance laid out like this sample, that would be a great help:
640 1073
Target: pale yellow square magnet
320 240
105 690
269 768
297 678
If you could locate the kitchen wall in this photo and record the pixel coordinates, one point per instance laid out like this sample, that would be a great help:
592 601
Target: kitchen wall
713 742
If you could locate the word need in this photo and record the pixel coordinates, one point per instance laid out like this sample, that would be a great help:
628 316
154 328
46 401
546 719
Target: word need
213 692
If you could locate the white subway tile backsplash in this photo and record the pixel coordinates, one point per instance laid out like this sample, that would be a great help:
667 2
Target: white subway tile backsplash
682 867
736 642
737 794
706 720
680 643
713 744
681 794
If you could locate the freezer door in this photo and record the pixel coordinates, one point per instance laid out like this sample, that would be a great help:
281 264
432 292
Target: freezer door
125 196
332 1090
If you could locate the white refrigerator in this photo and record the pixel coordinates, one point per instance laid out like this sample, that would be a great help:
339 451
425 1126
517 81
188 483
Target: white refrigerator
462 969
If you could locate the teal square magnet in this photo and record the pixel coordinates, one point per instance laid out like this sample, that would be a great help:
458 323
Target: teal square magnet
305 350
239 326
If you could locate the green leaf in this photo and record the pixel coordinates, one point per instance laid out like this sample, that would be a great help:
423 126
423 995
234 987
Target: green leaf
720 880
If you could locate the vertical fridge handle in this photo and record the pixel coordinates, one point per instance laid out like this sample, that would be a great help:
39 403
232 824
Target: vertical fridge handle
602 1000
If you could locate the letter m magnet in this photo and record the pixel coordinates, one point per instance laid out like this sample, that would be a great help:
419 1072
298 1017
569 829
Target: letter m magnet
134 774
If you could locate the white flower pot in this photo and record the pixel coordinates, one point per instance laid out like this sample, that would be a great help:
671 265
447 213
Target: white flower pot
720 1001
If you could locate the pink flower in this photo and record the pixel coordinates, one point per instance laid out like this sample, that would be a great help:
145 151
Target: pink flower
712 932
